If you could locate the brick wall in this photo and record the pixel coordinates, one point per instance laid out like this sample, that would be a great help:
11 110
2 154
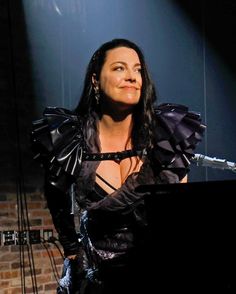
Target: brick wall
19 262
22 266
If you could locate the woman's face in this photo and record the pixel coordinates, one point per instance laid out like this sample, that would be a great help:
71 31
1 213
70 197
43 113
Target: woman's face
120 77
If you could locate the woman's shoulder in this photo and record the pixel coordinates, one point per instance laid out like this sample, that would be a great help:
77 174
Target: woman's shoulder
57 125
178 121
57 141
177 134
59 114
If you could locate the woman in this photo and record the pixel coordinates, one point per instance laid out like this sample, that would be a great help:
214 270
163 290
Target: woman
114 141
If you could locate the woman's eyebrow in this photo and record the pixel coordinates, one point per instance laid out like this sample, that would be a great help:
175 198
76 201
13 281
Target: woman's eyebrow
123 62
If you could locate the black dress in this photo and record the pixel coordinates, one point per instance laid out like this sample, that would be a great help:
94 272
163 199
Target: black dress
113 227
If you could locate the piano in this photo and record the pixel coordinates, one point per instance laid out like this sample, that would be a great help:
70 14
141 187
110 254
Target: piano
191 236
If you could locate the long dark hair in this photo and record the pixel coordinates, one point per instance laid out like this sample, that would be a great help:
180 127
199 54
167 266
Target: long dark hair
143 115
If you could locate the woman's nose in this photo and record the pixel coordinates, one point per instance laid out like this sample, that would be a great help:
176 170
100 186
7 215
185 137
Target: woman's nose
130 75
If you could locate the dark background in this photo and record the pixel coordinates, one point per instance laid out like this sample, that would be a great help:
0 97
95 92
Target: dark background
46 45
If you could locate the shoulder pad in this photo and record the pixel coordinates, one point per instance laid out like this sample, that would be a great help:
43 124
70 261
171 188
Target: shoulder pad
58 141
177 135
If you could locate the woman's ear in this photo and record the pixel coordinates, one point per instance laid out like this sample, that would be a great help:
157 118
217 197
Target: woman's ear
94 80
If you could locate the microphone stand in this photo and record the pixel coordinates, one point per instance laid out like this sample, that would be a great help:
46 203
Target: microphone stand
203 160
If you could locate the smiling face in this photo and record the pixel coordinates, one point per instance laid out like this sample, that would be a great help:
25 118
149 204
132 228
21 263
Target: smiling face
120 78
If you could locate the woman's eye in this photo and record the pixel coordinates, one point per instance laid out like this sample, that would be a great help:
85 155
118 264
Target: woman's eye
119 68
122 68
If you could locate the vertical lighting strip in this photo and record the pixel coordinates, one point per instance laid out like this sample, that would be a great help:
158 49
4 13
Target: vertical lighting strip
204 80
62 63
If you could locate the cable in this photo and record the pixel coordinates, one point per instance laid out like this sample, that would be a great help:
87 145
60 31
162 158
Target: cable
22 265
22 210
52 261
53 240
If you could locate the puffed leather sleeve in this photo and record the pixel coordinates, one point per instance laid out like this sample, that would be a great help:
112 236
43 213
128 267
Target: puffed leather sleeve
57 142
178 133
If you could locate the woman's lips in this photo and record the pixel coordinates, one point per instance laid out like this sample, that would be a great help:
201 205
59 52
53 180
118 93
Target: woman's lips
131 88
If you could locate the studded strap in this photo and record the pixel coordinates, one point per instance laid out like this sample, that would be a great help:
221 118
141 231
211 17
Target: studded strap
117 156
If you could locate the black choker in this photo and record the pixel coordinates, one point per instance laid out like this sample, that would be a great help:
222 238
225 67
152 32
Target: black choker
116 156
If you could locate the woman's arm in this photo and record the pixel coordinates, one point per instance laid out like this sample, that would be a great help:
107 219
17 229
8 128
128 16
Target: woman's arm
59 204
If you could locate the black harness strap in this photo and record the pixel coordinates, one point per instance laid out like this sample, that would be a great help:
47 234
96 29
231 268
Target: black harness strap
117 156
104 181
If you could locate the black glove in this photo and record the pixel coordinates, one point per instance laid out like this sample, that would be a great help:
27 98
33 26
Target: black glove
73 274
78 277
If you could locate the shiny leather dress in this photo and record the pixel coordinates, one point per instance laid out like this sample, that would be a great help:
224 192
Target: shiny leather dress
116 223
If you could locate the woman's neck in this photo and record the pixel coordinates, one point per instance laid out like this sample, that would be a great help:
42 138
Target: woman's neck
115 134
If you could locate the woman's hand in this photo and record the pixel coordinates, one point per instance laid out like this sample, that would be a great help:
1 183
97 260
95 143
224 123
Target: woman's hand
72 257
184 180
